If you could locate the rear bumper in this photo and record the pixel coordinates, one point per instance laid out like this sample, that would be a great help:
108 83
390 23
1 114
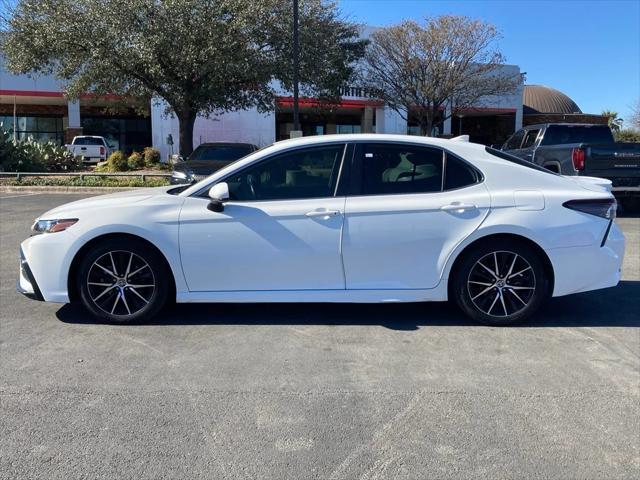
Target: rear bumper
581 269
626 191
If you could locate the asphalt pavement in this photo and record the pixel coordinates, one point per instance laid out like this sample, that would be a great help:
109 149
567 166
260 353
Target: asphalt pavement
317 391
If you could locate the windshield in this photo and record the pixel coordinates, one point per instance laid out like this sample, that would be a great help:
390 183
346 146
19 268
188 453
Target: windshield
226 153
518 160
561 134
88 141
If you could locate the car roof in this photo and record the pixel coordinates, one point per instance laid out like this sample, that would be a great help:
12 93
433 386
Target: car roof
554 124
226 144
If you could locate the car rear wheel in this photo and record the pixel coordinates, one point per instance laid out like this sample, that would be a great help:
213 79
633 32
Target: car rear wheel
123 281
500 283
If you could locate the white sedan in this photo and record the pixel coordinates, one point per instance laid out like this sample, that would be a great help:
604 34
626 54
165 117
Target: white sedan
342 218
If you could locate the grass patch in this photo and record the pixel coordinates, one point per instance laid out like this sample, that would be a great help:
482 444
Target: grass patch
121 182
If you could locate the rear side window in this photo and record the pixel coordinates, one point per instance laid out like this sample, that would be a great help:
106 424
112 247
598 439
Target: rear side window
530 138
88 141
226 153
560 134
401 169
459 174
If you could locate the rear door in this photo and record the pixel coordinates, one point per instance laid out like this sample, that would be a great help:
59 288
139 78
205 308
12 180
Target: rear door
411 205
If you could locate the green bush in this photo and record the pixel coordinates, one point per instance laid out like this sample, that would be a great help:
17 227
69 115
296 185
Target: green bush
151 157
135 161
122 182
117 162
627 135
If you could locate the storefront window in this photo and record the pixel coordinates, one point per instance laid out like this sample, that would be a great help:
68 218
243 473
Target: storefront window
126 134
41 129
349 128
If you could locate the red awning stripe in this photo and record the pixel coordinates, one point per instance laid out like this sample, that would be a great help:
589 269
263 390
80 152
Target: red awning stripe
313 102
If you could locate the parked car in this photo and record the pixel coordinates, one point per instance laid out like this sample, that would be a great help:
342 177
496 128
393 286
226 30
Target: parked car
208 158
583 150
92 149
360 218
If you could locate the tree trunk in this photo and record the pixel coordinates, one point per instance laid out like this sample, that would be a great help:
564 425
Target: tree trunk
186 120
426 124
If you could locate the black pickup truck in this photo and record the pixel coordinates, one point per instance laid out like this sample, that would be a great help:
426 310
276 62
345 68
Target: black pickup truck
581 149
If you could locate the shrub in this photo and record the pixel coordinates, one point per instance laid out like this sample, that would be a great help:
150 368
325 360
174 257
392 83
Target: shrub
627 135
117 162
32 156
151 156
53 157
135 161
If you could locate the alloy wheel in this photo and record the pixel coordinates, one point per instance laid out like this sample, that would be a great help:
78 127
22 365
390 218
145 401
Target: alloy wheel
121 283
501 284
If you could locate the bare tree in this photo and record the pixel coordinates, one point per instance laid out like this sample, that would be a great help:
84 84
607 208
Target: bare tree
449 63
634 121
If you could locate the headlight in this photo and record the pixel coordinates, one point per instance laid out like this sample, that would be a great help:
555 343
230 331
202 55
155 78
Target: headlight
179 174
53 226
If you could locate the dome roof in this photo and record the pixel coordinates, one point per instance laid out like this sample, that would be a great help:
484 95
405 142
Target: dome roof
541 99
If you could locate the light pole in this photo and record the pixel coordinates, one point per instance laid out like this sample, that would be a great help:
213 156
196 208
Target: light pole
296 66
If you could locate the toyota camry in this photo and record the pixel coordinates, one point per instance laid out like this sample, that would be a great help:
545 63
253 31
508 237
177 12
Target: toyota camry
342 218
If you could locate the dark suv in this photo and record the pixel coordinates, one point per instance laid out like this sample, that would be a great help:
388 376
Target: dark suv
208 158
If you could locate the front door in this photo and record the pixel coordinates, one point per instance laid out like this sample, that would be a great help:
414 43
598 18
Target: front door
414 204
280 229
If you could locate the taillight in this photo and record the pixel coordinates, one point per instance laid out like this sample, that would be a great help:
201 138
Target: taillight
101 150
601 207
577 157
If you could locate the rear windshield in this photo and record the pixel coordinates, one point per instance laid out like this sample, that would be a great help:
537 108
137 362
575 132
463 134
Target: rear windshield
560 134
88 141
518 160
227 153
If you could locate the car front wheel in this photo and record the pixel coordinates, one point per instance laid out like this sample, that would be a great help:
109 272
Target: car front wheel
500 283
123 281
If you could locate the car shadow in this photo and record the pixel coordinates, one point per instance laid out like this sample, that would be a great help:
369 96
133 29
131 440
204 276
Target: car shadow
613 307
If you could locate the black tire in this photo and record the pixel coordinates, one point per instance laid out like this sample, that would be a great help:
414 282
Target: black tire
502 299
128 299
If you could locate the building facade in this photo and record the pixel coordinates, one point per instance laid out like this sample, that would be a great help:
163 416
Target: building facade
37 107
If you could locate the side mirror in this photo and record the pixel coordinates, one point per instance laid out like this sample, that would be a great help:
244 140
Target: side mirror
218 194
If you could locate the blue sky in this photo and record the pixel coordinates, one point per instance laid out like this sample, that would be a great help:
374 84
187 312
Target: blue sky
588 49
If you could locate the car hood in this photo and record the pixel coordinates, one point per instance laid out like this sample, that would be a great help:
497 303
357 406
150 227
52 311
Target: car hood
110 200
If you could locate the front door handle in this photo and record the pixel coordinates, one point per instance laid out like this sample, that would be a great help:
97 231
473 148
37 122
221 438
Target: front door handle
458 207
325 214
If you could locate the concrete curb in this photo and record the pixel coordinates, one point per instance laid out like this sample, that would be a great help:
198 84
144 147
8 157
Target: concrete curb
56 189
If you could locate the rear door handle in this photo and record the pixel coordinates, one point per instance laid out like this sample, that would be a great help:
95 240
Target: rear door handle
326 214
458 207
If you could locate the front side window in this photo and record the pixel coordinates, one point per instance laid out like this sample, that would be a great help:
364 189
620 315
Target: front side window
397 169
303 173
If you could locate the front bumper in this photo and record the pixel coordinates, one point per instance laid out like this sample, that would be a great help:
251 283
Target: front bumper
27 284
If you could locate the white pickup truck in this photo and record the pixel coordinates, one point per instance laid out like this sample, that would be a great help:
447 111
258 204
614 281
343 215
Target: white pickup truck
91 149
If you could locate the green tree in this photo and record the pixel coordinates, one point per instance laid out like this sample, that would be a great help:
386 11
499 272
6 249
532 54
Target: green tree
615 122
200 56
449 61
